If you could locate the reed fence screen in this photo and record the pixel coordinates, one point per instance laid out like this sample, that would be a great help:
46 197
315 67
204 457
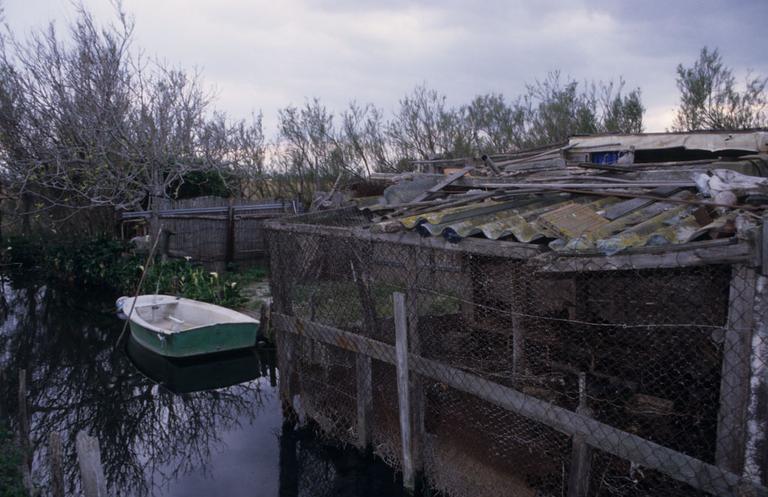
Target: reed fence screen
214 229
490 375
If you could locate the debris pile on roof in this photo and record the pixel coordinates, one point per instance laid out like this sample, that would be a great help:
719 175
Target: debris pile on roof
606 193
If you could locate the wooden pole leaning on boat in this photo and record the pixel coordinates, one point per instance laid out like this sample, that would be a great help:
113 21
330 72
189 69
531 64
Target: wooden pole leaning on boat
150 258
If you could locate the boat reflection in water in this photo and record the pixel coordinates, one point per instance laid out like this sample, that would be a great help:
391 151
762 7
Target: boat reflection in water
204 372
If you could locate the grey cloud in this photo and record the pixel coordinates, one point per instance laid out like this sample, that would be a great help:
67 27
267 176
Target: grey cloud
265 55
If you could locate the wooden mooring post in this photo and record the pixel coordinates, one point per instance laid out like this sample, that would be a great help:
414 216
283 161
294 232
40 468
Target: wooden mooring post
55 463
92 480
26 446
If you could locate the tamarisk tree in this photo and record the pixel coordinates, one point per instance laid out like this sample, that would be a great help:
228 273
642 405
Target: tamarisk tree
710 99
87 123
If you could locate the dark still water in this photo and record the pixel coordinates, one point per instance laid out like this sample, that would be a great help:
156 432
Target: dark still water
166 428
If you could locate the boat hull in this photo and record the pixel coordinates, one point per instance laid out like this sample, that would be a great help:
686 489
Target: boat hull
199 341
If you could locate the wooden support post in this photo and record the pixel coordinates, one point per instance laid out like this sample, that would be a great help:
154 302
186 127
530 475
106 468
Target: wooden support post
363 367
92 479
229 256
735 371
289 463
55 462
756 455
764 246
264 331
363 363
284 342
518 348
417 398
581 452
518 304
403 389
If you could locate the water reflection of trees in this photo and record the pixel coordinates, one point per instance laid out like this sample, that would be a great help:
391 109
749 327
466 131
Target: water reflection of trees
148 435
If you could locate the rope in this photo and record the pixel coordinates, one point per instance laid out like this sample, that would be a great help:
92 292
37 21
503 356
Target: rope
150 258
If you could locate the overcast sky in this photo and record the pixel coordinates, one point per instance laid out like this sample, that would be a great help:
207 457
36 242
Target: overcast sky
263 55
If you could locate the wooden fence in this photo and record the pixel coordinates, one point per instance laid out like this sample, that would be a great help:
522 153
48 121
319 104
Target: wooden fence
212 229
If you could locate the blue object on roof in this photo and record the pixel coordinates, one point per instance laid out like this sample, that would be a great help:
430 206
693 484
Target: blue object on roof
604 157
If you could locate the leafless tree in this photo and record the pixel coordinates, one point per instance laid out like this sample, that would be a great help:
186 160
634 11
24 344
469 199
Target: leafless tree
87 122
425 127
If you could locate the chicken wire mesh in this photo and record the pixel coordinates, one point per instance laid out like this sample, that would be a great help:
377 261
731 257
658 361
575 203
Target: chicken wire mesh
527 380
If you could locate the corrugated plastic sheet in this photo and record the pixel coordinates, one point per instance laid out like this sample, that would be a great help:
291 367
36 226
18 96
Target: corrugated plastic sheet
568 222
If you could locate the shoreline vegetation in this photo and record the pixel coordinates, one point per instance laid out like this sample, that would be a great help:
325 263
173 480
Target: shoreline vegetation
105 263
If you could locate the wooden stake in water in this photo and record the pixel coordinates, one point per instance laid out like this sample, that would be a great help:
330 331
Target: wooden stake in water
54 460
26 451
92 479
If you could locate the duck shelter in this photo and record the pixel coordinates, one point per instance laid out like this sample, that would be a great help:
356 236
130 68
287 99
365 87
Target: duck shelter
586 319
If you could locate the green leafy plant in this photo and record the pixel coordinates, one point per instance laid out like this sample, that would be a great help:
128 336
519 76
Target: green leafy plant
109 263
195 282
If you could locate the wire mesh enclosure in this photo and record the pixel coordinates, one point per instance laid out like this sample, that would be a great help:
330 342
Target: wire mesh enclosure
523 374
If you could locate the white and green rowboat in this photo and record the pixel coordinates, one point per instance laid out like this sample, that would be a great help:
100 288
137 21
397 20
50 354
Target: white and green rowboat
179 327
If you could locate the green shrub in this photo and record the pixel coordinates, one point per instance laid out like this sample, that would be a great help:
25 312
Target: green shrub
108 263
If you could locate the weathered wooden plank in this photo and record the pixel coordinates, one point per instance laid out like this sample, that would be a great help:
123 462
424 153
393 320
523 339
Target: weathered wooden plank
615 211
589 186
679 466
403 389
55 464
442 184
724 251
92 481
734 376
685 255
477 246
